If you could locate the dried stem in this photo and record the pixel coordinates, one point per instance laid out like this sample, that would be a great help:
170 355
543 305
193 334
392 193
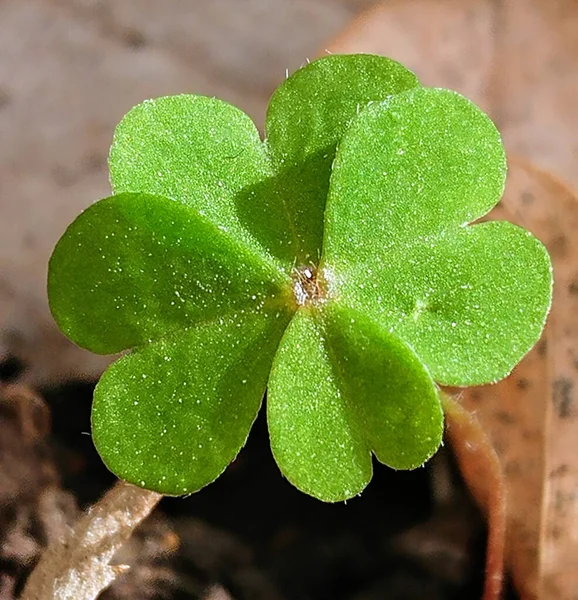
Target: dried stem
77 566
482 470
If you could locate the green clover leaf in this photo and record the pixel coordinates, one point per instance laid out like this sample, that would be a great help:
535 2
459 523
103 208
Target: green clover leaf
333 264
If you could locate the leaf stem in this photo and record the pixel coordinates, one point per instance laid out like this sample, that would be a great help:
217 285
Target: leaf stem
483 472
77 566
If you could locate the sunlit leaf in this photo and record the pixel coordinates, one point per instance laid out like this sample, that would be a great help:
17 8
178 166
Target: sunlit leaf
209 265
135 267
171 416
205 153
340 388
420 163
307 115
471 303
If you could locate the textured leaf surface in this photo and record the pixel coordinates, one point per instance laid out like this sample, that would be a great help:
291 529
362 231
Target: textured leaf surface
171 416
190 264
134 267
313 434
307 116
206 153
391 393
339 388
421 162
471 303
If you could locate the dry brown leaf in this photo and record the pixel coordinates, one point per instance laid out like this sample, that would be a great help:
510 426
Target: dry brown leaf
518 59
531 417
550 210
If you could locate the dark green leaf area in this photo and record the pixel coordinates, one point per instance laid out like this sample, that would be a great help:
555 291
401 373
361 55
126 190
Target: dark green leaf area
307 116
172 415
134 267
471 303
208 154
341 387
416 164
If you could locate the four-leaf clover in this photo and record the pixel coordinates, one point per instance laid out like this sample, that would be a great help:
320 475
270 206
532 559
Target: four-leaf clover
333 264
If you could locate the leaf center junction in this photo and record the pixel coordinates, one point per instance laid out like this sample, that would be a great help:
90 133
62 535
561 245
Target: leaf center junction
308 286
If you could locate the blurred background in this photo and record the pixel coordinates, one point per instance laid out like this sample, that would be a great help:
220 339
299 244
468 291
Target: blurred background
69 70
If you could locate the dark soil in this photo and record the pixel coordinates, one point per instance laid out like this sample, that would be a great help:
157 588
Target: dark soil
248 536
